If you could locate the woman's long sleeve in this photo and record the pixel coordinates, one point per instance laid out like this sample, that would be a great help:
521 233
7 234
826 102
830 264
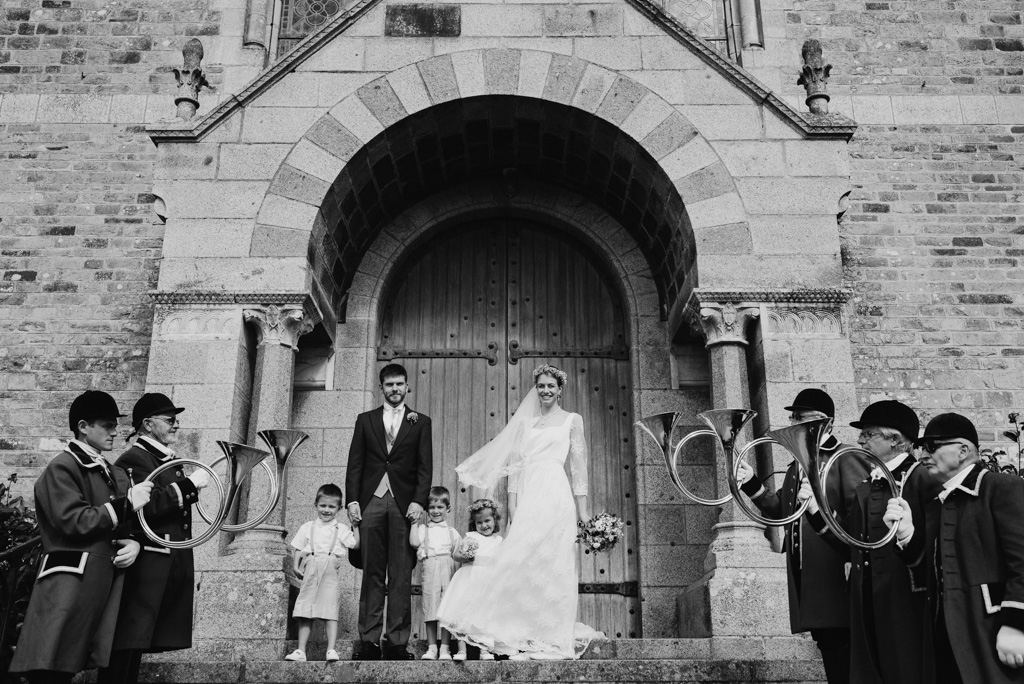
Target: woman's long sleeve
578 457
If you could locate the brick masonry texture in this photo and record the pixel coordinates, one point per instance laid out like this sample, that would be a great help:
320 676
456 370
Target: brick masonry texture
932 235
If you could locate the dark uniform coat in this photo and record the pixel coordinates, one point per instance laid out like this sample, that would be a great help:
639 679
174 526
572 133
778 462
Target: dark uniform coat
890 629
818 593
973 548
82 509
156 613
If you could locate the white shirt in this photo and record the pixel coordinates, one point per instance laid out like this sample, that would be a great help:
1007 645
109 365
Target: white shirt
392 423
892 465
393 417
952 483
321 534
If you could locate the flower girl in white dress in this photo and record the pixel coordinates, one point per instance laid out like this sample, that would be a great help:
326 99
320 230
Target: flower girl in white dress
476 553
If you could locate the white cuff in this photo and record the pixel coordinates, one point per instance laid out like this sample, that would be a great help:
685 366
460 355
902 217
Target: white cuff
177 492
113 515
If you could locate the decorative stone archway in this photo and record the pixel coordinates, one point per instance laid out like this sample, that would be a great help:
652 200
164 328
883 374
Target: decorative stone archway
331 261
698 193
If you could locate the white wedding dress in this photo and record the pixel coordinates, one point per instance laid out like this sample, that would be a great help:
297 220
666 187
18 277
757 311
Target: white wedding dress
526 599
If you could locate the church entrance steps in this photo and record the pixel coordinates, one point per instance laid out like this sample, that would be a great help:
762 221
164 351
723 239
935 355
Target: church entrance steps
779 660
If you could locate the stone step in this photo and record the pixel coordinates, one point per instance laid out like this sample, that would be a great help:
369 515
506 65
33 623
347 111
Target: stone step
789 660
495 672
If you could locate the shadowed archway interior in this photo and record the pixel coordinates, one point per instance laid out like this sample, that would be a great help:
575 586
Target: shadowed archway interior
507 138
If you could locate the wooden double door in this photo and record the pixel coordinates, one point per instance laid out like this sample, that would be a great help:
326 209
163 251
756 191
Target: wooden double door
471 313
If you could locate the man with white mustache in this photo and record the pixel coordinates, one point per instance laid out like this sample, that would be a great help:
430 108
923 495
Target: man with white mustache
971 541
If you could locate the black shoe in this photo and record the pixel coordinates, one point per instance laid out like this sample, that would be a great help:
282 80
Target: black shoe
367 651
397 653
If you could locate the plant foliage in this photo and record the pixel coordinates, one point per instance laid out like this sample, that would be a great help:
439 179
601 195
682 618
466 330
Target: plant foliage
19 557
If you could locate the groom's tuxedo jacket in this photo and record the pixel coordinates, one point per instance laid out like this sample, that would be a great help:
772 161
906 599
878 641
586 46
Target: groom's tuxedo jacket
410 465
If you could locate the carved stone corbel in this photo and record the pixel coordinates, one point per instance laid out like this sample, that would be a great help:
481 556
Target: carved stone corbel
279 325
726 323
814 77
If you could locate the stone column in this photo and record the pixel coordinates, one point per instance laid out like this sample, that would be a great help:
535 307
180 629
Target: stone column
242 608
278 329
743 591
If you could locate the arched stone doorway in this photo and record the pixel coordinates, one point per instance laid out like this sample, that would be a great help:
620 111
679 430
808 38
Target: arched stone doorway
452 135
470 311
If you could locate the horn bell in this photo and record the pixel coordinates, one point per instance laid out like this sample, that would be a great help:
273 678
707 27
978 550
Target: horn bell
282 443
242 458
659 427
727 423
802 440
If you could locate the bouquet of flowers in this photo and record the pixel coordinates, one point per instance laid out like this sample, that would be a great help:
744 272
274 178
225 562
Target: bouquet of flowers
468 547
600 533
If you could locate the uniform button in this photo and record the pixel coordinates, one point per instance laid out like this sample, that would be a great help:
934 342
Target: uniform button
178 473
184 526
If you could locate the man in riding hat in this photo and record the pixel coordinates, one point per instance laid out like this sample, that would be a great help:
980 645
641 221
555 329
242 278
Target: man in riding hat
818 597
890 632
156 608
84 506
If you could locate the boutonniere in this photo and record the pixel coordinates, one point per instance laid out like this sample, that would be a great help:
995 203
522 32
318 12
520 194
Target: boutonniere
412 417
876 474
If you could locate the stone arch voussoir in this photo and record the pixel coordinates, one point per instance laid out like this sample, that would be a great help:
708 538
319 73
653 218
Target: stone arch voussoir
291 210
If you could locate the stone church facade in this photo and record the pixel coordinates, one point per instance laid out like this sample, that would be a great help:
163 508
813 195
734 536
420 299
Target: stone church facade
633 190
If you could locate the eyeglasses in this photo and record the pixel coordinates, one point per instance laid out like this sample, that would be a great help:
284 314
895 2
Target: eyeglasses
931 445
170 421
870 434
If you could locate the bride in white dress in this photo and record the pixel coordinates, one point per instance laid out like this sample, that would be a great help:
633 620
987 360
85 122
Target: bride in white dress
525 604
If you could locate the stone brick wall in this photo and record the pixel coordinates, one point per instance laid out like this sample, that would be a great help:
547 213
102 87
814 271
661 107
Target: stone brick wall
79 243
934 230
932 234
933 244
78 251
90 46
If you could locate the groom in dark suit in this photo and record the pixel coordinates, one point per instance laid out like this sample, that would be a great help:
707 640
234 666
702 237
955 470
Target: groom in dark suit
390 465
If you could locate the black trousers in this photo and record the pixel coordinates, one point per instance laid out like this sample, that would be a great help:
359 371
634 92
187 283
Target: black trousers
388 560
834 644
123 667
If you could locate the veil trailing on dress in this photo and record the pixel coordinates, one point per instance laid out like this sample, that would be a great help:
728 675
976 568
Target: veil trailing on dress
503 455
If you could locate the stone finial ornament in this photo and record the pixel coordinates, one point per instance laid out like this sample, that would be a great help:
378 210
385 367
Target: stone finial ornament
191 78
814 77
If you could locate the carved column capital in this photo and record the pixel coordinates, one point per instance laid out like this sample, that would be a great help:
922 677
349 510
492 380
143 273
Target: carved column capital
282 325
726 323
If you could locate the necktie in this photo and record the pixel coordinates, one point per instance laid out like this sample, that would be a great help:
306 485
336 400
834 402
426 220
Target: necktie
392 432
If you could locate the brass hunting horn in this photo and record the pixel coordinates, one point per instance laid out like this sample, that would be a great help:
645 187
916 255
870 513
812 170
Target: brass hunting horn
241 460
282 444
803 441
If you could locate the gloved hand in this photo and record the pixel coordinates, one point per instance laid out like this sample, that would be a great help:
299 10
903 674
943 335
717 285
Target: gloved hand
1010 646
898 511
744 474
200 478
807 494
138 495
128 552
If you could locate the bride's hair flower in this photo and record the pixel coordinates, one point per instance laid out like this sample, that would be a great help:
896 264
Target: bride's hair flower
600 533
547 369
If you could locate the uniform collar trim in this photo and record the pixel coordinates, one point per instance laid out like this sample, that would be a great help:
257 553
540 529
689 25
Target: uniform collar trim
156 448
